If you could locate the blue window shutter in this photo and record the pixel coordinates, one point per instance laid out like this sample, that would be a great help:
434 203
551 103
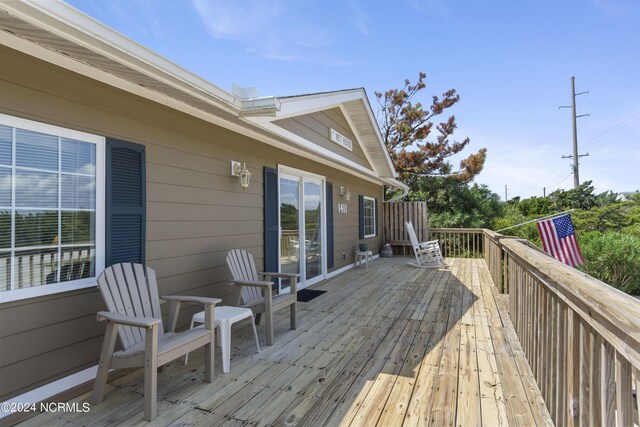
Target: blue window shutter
329 189
126 201
377 221
361 215
270 219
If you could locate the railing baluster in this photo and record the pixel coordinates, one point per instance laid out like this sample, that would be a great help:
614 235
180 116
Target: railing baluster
608 384
624 398
552 327
595 402
636 374
585 373
561 365
538 334
573 369
541 338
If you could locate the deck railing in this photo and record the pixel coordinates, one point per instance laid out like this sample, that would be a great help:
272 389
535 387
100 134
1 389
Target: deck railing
49 265
459 242
580 335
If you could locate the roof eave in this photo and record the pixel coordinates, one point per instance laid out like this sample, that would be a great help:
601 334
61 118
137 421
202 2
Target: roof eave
304 104
66 21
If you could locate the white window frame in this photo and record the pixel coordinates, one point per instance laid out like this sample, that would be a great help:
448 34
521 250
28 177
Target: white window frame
364 217
99 141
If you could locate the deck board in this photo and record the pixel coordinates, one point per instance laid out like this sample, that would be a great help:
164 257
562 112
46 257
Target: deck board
389 345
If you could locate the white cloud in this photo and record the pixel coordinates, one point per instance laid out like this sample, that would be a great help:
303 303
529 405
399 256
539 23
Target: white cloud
431 7
359 19
140 14
274 30
228 19
618 8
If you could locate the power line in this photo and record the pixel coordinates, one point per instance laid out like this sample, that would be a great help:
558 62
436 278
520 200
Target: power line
549 125
544 174
563 180
555 177
613 128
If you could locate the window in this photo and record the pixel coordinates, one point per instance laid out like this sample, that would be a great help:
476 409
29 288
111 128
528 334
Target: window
369 216
51 208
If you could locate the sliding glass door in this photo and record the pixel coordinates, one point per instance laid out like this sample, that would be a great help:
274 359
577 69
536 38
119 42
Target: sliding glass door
289 225
302 228
312 194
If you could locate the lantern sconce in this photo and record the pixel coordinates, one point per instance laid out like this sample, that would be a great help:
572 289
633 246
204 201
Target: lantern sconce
240 170
345 193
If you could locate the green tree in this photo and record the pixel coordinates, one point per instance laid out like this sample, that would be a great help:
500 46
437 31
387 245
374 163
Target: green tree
582 197
457 204
289 216
608 231
613 258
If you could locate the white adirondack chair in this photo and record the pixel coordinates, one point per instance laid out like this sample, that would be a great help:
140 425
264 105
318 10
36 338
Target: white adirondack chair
131 294
427 254
257 294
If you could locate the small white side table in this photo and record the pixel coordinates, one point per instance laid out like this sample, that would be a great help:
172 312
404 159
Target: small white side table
226 316
363 257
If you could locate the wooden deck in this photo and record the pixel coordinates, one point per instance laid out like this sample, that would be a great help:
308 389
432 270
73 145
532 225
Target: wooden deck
388 345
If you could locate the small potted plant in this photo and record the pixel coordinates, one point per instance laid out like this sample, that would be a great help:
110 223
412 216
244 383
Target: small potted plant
363 247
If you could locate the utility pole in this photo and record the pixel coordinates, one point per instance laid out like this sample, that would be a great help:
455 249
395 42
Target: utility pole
575 156
544 191
506 198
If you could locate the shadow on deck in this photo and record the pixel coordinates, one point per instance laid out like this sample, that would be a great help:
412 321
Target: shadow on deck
387 345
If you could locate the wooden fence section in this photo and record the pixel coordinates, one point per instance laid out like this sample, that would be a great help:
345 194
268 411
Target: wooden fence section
581 337
397 213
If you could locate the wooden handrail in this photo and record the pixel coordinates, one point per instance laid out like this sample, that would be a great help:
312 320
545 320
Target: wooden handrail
456 230
609 310
580 335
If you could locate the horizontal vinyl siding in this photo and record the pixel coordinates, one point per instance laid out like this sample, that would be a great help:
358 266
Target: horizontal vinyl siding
345 226
315 127
47 338
196 212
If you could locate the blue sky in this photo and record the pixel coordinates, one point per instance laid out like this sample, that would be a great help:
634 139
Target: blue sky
510 61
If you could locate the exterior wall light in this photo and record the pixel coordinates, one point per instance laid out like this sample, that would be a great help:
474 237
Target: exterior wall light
345 193
240 170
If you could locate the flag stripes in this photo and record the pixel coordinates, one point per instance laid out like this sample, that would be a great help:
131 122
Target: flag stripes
559 240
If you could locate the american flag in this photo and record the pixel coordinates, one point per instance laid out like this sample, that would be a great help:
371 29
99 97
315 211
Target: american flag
559 240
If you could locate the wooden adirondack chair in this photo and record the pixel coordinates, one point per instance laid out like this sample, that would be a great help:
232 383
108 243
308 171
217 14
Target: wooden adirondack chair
257 294
427 254
131 294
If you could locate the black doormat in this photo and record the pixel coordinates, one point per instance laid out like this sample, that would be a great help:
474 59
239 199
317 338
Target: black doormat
307 295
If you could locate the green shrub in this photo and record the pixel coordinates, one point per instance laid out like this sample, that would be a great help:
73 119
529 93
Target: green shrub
613 258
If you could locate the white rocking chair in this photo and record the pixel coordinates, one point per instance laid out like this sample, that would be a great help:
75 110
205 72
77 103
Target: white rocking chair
427 254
